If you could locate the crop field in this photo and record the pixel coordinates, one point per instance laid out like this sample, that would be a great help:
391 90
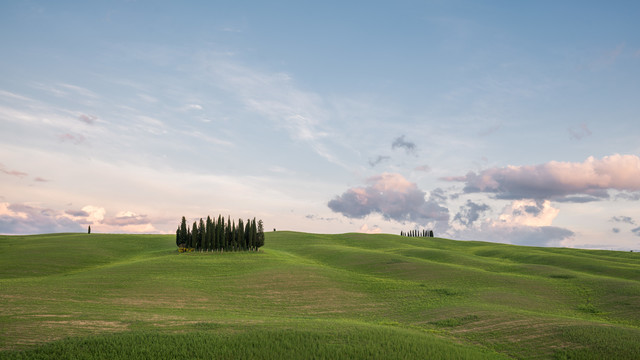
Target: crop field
307 296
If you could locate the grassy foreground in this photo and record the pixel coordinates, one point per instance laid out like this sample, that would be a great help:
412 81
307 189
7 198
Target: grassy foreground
314 296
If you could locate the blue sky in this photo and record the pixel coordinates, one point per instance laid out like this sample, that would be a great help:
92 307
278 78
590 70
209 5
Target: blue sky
501 121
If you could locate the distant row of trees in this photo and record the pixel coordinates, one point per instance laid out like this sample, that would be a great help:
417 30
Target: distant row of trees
417 233
220 235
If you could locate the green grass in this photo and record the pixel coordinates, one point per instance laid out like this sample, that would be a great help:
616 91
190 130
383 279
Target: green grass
314 296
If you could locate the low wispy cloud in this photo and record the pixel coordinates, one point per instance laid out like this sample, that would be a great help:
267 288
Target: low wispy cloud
127 218
401 143
623 219
627 221
562 181
76 139
628 195
423 168
608 58
12 172
319 218
580 132
77 213
490 130
193 107
19 174
88 119
378 160
393 197
64 90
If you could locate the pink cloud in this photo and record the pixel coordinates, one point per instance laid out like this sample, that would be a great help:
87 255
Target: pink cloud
12 172
392 196
590 179
76 139
374 230
33 219
88 119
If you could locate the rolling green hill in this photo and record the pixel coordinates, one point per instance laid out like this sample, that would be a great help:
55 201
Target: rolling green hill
314 296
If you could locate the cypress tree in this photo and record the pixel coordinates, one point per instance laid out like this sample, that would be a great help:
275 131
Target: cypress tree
240 235
212 235
194 235
247 235
260 235
220 233
183 231
216 239
234 236
228 239
252 238
207 236
201 235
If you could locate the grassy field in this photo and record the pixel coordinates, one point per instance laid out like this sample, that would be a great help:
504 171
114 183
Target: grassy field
314 296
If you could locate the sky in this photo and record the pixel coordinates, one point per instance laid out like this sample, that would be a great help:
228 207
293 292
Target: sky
502 121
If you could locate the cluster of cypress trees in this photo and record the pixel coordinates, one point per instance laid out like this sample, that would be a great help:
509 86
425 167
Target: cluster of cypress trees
417 233
218 235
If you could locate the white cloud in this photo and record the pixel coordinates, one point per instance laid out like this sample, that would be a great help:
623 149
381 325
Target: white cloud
193 107
522 222
275 96
5 210
528 213
95 213
365 229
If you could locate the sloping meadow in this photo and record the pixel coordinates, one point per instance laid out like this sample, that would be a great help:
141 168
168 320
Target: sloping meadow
314 296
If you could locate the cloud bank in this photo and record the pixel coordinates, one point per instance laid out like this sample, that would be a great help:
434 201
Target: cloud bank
392 196
31 219
27 219
522 222
561 181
